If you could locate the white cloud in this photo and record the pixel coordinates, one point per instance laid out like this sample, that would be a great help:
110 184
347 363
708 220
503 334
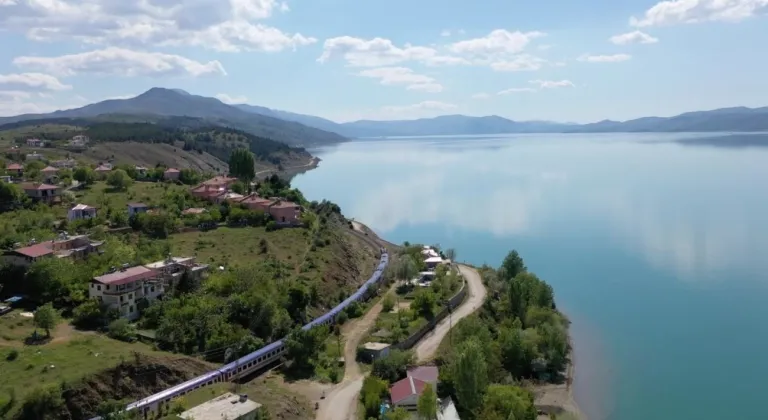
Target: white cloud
445 33
615 58
21 102
544 47
402 76
634 37
672 12
119 61
501 50
379 52
521 62
120 97
552 84
498 41
219 25
231 100
25 81
515 90
481 95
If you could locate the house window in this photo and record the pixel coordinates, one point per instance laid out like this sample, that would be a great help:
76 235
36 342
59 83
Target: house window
121 298
130 308
130 295
98 287
152 289
107 287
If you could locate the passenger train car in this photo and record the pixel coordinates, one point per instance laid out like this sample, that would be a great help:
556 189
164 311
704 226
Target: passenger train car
258 359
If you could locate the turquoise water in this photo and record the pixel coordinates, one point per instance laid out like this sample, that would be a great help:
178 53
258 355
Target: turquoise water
656 249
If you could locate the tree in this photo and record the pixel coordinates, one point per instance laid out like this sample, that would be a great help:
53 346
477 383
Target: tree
399 413
11 196
44 403
303 346
424 302
427 405
46 318
388 304
84 175
393 366
508 402
406 268
114 410
470 376
450 253
241 165
513 265
120 329
119 180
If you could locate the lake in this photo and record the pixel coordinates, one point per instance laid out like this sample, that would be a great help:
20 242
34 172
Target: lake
656 245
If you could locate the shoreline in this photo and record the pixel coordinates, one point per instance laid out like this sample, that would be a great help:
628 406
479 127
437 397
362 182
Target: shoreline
557 398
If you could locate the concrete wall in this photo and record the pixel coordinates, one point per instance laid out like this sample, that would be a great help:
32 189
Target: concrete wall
415 337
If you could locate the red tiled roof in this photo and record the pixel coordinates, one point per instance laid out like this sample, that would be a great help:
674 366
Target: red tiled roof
33 186
130 275
49 169
253 198
406 388
219 180
102 168
14 167
193 210
425 373
284 204
172 170
34 251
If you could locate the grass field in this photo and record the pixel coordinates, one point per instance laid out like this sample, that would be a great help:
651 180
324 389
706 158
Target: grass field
69 356
101 195
239 246
151 154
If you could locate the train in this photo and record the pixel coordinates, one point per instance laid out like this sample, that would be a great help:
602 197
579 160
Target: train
260 358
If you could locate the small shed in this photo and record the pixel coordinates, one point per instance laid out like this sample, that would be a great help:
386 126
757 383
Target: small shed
228 406
375 350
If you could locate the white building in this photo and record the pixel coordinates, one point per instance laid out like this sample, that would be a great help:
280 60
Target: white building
171 269
35 143
80 212
124 288
34 156
228 406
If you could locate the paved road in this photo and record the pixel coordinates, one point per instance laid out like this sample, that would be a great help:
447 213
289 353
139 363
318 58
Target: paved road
426 348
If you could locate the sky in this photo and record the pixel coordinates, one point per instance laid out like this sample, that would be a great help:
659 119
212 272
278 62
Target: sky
574 61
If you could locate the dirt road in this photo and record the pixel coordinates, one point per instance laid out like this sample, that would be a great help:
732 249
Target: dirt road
426 348
341 403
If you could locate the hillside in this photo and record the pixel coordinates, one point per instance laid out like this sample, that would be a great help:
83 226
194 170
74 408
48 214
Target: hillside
169 102
174 141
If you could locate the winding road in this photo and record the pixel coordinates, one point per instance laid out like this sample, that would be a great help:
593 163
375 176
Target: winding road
341 403
426 348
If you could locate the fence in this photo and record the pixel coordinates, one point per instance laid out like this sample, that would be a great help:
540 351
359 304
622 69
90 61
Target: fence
418 335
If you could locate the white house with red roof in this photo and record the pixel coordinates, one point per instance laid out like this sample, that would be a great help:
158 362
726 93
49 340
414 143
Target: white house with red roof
15 169
80 212
122 289
50 174
405 393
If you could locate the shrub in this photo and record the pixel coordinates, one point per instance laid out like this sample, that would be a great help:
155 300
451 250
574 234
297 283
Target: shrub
388 304
12 355
120 329
271 225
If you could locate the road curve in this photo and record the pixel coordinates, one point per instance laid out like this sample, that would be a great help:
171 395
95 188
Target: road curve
426 348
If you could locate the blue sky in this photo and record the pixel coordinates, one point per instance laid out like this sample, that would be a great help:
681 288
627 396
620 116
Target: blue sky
345 60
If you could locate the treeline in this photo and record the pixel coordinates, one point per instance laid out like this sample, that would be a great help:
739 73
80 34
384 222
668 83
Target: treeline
518 338
196 134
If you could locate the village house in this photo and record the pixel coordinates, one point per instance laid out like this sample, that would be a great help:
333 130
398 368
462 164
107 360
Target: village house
64 163
136 208
34 156
35 143
103 169
80 212
15 169
406 392
141 171
78 141
64 246
282 211
5 178
213 187
171 174
171 269
122 289
42 192
50 174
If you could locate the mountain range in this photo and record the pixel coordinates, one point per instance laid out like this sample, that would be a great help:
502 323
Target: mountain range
307 130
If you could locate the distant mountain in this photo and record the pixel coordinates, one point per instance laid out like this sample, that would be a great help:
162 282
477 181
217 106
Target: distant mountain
173 102
450 124
308 120
724 119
